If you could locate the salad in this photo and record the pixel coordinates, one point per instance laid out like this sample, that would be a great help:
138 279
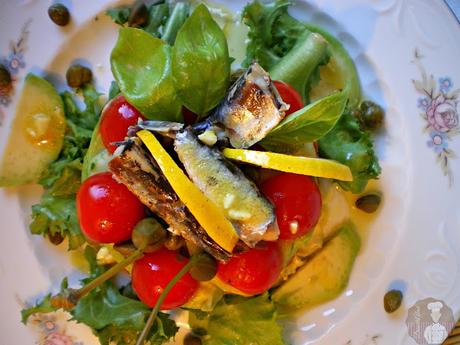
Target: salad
218 183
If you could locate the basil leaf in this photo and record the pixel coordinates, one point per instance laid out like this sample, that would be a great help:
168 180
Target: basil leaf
141 65
201 64
307 124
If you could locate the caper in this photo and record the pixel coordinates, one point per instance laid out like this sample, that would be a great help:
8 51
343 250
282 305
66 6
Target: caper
59 14
204 269
371 115
5 76
139 14
392 300
192 339
55 238
369 203
148 235
78 75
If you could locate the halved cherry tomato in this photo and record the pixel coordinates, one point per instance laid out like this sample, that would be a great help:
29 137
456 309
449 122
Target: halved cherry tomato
116 118
289 95
253 271
107 210
297 201
154 271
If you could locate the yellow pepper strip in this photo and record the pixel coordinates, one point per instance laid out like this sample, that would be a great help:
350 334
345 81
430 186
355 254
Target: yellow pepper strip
293 164
210 217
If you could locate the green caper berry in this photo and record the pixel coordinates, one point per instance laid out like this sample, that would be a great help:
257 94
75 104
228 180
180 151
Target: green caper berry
369 203
392 300
78 75
148 235
371 115
192 339
204 269
59 14
5 76
139 14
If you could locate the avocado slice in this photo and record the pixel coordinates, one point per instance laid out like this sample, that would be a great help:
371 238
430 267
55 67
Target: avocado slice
324 276
97 157
36 135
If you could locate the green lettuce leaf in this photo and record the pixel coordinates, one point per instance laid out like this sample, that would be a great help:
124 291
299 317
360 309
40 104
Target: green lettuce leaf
200 62
349 145
44 306
141 65
269 37
106 306
119 15
239 321
307 124
56 217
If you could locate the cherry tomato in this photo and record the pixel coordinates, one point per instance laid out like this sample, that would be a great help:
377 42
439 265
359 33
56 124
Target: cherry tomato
117 116
154 271
297 201
253 271
107 210
289 95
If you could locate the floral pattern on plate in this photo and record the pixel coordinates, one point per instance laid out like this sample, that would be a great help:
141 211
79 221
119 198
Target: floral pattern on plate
438 104
14 62
52 330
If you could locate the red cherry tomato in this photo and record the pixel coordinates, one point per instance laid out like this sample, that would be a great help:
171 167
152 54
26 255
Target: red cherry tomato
107 210
289 95
297 201
117 116
154 271
253 271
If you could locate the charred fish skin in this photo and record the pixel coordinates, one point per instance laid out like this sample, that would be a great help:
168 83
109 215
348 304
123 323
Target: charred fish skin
251 109
226 185
138 171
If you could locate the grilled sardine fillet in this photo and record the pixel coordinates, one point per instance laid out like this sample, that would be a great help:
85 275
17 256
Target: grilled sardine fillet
251 109
226 185
139 172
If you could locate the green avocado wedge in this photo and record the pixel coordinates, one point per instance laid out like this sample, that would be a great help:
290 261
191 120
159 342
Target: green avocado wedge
97 157
324 276
36 135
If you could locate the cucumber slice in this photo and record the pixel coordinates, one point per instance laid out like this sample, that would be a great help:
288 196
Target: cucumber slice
36 136
322 278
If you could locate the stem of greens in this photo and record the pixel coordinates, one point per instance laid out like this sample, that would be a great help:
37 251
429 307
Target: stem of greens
107 275
296 68
175 22
156 309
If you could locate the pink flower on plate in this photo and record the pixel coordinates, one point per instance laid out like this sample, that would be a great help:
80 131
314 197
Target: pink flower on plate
56 338
442 114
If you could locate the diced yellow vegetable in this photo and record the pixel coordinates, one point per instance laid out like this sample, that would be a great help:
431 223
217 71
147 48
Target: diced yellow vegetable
210 217
293 164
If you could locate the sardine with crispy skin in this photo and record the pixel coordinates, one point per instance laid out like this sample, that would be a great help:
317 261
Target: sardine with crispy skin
139 172
226 185
251 109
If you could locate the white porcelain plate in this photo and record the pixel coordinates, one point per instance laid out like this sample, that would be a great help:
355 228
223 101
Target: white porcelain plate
407 53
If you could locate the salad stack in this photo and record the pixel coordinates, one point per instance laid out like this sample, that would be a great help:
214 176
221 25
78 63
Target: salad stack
215 184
